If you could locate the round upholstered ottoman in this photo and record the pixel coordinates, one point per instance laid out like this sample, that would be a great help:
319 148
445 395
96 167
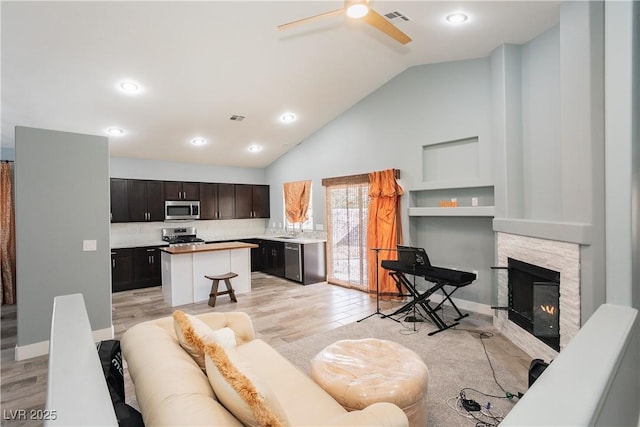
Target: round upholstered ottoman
358 373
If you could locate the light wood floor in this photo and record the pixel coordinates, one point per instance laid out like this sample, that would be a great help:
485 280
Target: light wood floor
282 312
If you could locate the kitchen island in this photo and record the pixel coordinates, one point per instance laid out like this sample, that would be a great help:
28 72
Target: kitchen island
184 268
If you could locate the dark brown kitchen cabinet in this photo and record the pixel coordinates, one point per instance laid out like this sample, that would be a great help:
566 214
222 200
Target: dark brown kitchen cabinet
179 190
272 257
119 200
252 201
146 200
146 267
217 201
121 269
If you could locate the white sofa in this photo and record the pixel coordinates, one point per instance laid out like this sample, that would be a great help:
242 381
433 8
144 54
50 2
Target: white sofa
171 389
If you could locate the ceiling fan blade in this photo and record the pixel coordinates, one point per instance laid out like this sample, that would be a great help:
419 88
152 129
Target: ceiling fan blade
378 21
311 19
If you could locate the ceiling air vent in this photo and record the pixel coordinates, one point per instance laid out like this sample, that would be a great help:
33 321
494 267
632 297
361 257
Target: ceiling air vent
396 14
237 118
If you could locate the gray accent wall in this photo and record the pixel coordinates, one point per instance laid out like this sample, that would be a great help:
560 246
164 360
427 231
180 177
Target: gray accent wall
62 199
622 152
423 106
556 188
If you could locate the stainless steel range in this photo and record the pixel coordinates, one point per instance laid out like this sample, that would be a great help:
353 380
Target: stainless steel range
183 236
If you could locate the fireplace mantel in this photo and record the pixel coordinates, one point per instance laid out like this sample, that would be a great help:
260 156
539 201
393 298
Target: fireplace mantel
570 232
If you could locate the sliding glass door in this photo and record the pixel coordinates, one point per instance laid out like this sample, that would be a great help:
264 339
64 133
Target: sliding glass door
347 209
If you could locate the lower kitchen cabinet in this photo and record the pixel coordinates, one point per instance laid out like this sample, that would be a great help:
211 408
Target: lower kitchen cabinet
271 257
304 263
134 268
146 267
121 269
256 258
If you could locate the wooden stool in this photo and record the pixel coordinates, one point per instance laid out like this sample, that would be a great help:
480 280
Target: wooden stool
214 287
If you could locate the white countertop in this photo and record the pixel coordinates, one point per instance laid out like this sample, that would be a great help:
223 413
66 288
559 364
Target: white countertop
276 238
301 240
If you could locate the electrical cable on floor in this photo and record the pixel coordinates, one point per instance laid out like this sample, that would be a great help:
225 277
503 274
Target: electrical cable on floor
485 416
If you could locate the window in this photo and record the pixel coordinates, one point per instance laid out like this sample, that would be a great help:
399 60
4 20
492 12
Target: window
308 224
347 208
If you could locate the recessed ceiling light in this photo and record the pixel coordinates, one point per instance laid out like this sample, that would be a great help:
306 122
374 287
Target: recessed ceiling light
357 10
115 131
254 148
198 141
288 117
129 87
457 18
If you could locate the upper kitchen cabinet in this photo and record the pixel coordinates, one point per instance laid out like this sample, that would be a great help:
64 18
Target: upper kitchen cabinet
146 200
217 201
119 200
178 190
252 201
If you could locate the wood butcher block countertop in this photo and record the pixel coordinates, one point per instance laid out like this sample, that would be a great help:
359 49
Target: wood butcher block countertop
207 247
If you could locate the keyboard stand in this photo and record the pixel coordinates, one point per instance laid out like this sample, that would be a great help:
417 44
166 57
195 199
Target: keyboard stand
422 299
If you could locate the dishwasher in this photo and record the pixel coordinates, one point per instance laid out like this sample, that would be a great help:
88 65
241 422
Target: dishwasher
293 261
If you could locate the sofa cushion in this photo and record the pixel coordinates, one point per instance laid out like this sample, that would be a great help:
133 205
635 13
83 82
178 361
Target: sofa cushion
305 403
170 388
240 389
192 335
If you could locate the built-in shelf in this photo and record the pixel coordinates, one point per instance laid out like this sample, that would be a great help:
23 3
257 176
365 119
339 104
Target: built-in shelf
451 185
485 211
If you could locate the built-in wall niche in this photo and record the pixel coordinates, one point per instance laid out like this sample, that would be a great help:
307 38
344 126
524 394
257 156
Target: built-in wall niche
465 197
472 200
451 161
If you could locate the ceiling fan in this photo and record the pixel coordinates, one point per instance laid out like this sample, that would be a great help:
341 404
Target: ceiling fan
358 9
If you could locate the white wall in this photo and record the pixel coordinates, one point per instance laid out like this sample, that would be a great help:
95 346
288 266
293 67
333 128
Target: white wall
122 167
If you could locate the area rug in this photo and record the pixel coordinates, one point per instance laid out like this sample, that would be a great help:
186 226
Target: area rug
456 360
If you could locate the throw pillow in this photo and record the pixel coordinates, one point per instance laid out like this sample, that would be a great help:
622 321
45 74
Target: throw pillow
240 389
225 337
193 334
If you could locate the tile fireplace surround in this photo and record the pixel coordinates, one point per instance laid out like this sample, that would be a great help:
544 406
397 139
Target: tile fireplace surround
559 256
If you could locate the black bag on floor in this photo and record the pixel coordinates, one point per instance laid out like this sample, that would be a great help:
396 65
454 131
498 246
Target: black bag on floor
536 368
111 361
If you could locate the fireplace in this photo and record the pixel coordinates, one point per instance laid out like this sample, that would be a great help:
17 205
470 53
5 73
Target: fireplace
561 257
534 300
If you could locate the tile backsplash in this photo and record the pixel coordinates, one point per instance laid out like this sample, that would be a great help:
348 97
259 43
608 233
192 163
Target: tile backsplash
150 233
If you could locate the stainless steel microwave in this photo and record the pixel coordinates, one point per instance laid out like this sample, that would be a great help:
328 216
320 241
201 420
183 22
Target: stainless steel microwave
181 210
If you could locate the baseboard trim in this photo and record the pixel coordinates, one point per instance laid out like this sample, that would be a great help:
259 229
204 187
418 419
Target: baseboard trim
462 304
41 348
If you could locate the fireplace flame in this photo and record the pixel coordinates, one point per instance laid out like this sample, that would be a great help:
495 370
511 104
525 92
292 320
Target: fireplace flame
549 309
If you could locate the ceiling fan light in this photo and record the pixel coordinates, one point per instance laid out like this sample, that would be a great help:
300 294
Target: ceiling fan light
357 10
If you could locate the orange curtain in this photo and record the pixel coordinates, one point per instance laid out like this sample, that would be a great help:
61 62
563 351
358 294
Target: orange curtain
384 229
7 235
296 200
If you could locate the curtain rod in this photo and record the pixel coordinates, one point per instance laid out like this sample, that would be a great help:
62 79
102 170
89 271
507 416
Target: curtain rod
352 179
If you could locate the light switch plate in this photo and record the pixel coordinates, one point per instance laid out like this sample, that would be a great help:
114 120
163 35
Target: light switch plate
89 245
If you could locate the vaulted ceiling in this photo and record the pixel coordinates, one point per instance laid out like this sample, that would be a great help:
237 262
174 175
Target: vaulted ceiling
198 64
